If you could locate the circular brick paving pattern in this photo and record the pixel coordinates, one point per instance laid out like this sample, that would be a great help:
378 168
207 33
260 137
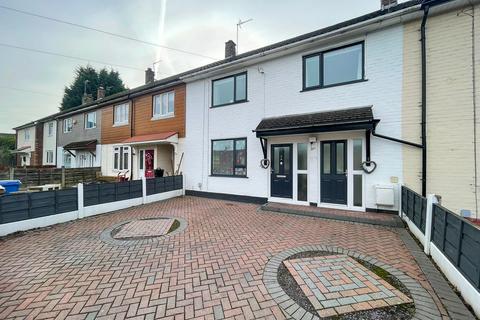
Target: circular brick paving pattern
301 271
142 231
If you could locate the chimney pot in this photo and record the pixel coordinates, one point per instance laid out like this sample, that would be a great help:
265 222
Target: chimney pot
230 49
100 93
386 4
149 76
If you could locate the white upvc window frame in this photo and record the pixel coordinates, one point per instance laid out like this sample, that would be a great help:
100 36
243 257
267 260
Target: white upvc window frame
49 156
121 117
50 128
161 105
94 113
121 154
67 125
26 134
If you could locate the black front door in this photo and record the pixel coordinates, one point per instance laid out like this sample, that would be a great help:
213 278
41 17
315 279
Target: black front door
333 173
281 177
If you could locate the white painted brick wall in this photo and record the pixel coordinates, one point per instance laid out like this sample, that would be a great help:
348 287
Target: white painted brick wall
277 92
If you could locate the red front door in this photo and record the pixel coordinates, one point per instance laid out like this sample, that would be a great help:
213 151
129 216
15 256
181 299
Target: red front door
149 160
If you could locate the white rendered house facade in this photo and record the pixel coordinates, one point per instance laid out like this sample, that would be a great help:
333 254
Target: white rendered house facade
358 70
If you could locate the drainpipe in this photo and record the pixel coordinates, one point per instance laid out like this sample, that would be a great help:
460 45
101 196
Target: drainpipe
423 40
132 131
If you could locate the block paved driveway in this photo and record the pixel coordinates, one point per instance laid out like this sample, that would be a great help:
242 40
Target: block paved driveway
211 270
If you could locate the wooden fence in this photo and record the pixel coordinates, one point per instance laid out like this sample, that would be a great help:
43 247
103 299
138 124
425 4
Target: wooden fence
39 176
110 192
459 240
415 207
159 185
23 206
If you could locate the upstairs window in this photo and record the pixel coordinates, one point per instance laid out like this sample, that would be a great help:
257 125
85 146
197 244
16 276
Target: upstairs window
230 90
27 134
91 120
334 67
67 125
120 114
229 157
164 105
50 129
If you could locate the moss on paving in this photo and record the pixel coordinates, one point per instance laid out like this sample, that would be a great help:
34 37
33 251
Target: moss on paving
290 286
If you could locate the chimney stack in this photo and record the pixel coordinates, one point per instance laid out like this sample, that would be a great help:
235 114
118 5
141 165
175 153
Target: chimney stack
386 4
230 49
87 98
149 76
100 93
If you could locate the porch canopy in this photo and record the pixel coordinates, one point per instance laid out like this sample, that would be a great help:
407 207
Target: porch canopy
88 145
327 121
155 138
21 150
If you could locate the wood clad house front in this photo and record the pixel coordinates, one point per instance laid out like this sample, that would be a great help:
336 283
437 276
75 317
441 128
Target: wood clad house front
143 134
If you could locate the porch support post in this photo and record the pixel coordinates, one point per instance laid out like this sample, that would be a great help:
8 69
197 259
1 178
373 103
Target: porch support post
263 142
431 200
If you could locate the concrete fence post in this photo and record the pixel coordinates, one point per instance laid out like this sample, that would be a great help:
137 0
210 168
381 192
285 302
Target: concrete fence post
144 190
400 213
11 173
431 200
183 184
63 177
81 212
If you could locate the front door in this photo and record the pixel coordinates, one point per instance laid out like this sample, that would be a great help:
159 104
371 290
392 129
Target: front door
333 173
281 177
147 161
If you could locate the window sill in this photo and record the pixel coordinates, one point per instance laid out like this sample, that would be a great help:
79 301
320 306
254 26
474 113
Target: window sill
229 104
333 85
120 124
91 128
227 176
167 116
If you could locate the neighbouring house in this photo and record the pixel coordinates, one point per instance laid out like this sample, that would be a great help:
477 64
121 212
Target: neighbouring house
29 144
144 130
300 121
452 89
79 134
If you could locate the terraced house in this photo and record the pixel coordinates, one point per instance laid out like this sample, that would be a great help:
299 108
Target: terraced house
143 130
36 143
78 133
336 118
298 121
448 93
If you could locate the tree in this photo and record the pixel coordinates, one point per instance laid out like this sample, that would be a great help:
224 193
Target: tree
7 144
109 79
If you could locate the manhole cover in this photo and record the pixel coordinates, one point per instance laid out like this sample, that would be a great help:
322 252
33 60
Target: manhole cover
144 228
337 284
325 282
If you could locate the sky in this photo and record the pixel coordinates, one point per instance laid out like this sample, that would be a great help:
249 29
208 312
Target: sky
32 83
